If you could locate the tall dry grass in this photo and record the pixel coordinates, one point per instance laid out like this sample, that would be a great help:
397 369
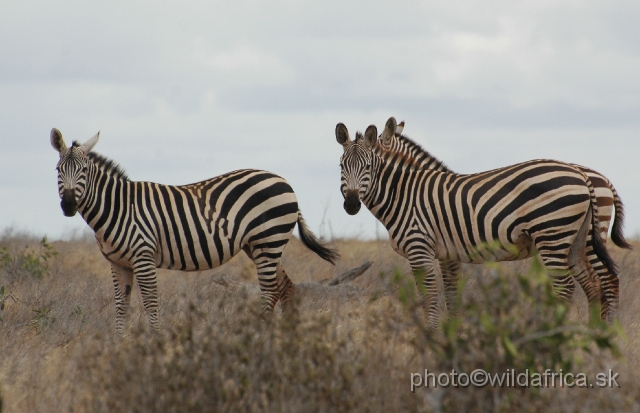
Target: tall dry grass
352 347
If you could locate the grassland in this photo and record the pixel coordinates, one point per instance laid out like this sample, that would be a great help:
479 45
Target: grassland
351 347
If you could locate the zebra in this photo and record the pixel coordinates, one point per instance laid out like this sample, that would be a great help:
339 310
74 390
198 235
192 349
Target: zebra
142 226
606 195
498 215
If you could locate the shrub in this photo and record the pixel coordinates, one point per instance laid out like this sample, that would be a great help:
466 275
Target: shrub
234 362
505 326
27 262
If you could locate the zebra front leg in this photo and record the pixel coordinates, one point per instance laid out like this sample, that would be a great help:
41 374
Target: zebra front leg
144 269
422 265
122 284
450 275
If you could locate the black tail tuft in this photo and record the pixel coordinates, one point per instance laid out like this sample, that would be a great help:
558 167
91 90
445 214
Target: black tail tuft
618 222
616 233
310 241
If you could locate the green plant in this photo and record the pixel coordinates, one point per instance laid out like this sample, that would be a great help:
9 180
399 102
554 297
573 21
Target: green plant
27 262
509 323
78 314
42 318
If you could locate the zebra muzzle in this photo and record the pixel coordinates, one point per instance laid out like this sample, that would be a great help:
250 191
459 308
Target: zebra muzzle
352 202
68 204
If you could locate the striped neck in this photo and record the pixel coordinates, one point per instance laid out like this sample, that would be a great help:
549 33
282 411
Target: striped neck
388 171
107 194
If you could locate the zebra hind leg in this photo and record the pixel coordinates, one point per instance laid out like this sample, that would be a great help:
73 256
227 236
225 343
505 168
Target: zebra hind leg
122 284
267 262
557 265
607 274
561 277
592 254
610 295
563 255
582 269
286 290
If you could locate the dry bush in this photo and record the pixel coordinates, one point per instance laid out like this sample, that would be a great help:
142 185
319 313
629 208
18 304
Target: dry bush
351 347
513 322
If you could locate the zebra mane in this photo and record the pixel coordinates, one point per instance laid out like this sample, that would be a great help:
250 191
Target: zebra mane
415 157
419 152
399 158
107 165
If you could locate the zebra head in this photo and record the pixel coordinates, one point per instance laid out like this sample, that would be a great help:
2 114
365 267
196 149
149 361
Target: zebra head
389 136
72 170
356 165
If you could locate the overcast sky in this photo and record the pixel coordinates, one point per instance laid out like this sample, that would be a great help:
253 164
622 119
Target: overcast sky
183 91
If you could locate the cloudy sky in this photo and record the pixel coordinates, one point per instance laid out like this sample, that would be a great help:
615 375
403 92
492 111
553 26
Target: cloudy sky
183 91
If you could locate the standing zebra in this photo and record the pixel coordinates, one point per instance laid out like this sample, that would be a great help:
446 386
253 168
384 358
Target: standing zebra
606 196
498 215
141 226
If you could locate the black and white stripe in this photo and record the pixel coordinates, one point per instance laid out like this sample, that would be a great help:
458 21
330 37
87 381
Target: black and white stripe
497 215
141 226
606 197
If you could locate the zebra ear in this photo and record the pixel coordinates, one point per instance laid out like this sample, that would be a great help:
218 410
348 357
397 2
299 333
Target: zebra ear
399 128
88 145
370 136
57 141
342 134
389 130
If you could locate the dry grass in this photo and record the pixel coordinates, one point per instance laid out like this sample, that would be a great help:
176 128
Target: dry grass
351 347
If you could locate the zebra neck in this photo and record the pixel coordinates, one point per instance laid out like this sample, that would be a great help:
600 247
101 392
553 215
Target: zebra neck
380 195
393 182
107 198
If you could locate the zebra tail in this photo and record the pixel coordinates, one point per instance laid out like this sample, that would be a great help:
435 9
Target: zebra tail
618 222
602 253
310 241
596 240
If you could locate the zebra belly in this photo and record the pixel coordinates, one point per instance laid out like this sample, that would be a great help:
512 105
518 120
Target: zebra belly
195 249
495 251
